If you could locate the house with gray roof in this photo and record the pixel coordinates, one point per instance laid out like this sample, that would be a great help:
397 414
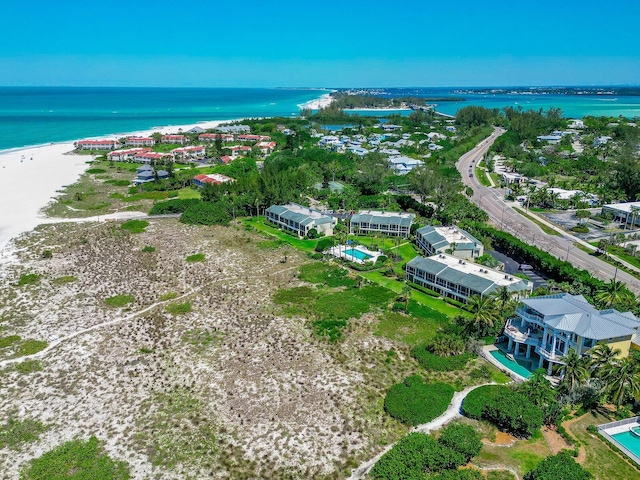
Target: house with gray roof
546 328
395 224
298 219
459 279
453 240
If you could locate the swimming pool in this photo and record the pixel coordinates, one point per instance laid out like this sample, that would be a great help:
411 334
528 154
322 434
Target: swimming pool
516 367
629 441
618 434
359 254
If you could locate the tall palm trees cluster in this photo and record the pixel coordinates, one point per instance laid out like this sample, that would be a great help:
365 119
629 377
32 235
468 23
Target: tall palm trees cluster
488 313
619 377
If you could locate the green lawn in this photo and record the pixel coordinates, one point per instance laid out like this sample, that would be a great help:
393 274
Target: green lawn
603 462
259 224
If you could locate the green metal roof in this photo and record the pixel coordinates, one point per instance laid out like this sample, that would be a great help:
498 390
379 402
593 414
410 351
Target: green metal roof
387 219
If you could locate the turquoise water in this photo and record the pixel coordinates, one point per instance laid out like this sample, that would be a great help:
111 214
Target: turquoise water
38 115
360 255
629 441
516 367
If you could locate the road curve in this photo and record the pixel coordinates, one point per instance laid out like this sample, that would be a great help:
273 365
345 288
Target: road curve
504 217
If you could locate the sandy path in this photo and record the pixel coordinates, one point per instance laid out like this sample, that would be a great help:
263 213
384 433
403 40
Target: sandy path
452 412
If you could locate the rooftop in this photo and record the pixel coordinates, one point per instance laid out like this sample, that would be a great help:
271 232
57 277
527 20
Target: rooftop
444 236
299 214
384 218
472 275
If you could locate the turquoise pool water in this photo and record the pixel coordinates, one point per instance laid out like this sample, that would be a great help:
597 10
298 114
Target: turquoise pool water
628 441
516 367
360 255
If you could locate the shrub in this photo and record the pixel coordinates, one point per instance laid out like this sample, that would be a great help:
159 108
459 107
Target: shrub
148 249
29 347
206 213
435 363
76 459
415 402
414 455
28 279
592 429
46 254
178 308
476 399
316 256
463 439
15 432
168 296
500 475
28 366
558 467
96 170
580 229
135 226
465 474
312 233
324 244
329 328
508 410
119 300
173 206
198 257
9 340
63 280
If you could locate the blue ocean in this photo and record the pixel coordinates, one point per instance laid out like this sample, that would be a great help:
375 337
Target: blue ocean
39 115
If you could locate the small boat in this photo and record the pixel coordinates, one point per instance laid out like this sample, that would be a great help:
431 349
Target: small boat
635 431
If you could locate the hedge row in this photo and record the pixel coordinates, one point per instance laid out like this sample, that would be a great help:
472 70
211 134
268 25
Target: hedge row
176 205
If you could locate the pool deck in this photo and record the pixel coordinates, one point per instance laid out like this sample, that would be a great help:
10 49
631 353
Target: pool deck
340 251
607 430
486 354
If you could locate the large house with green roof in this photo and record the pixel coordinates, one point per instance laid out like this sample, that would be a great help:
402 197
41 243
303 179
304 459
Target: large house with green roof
453 240
394 224
298 219
459 279
546 328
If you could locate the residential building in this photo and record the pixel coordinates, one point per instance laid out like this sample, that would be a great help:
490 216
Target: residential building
550 139
234 129
298 219
211 137
452 240
238 150
186 153
96 144
459 279
547 327
403 165
151 157
266 147
388 127
147 173
601 141
141 141
628 213
395 224
180 139
212 179
126 155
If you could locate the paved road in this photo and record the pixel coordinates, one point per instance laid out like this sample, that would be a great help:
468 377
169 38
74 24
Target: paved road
507 219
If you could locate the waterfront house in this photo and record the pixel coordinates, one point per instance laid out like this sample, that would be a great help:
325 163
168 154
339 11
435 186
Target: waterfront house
299 220
147 173
395 224
266 147
141 141
545 328
212 179
388 127
233 129
96 144
151 157
453 240
179 139
459 279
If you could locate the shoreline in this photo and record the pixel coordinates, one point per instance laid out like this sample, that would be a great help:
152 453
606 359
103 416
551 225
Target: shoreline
32 177
376 109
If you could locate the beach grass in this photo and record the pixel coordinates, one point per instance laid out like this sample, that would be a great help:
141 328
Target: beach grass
118 301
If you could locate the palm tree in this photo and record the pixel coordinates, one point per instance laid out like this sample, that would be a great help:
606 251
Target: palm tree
601 356
574 370
623 379
406 295
612 293
503 295
484 313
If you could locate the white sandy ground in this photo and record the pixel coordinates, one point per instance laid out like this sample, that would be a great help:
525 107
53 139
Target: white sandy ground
318 103
31 177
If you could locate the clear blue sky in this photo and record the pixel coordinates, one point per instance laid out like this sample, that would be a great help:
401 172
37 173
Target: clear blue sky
325 43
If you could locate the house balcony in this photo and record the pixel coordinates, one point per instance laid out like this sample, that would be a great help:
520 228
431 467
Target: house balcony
520 331
537 320
546 351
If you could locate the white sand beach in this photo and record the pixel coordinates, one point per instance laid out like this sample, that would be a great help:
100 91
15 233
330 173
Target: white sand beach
31 177
318 103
